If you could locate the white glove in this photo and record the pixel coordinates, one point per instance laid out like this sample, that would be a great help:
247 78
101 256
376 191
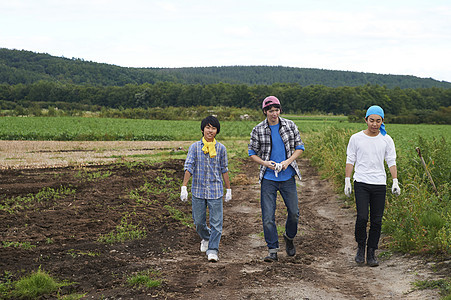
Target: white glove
228 196
278 168
395 189
184 194
348 186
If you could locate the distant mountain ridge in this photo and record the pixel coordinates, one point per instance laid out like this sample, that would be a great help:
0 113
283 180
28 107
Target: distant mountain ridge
26 67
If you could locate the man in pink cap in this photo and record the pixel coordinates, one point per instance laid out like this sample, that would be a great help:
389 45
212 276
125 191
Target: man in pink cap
275 144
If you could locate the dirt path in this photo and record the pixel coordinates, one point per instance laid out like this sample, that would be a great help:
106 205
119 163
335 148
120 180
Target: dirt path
323 267
64 234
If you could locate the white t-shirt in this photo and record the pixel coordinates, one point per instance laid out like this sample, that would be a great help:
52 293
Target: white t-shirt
367 154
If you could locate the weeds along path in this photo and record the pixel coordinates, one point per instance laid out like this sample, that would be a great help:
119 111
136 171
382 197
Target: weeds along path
323 267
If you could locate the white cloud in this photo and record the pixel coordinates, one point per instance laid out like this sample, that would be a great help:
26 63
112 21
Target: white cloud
240 32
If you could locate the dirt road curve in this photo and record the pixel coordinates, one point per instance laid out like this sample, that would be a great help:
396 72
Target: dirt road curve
65 234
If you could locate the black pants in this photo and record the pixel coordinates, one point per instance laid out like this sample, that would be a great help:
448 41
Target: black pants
369 198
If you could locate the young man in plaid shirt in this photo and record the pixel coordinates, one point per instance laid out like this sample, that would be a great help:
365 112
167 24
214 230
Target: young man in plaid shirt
275 144
207 163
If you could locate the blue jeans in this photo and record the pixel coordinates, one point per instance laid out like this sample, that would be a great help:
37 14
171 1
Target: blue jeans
212 234
268 196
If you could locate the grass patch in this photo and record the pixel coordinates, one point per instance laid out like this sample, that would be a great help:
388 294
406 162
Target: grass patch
47 194
147 279
77 253
164 183
123 232
32 286
443 285
179 216
21 245
385 255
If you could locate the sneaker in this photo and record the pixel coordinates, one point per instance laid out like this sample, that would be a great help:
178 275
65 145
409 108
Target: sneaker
203 246
289 246
213 257
271 257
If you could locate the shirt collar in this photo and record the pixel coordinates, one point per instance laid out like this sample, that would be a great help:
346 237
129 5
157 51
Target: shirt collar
281 122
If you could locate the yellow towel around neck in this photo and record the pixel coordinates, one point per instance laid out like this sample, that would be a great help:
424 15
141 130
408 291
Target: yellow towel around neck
209 147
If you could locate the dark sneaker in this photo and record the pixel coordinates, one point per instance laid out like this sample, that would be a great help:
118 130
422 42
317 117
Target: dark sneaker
289 246
271 257
371 258
360 257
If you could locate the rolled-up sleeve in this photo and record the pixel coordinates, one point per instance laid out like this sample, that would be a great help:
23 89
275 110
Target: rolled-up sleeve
298 143
224 161
254 144
390 153
190 159
350 152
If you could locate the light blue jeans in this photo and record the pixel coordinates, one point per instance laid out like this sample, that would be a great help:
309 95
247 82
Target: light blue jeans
268 196
212 234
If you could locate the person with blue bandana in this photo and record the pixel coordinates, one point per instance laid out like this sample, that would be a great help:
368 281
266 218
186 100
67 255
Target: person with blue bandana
275 144
365 154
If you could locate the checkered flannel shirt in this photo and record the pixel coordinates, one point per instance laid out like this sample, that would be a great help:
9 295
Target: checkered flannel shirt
260 142
206 171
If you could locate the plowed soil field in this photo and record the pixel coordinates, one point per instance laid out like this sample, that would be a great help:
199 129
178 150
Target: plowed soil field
64 233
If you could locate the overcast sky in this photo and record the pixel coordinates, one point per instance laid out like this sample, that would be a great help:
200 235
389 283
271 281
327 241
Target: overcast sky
408 37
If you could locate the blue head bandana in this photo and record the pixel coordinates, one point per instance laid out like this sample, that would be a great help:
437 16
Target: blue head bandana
377 110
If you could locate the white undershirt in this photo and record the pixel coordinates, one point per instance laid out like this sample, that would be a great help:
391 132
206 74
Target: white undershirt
367 154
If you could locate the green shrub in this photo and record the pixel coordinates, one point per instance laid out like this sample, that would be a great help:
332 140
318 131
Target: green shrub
35 285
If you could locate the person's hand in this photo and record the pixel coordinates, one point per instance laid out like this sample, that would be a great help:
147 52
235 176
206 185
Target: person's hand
283 165
348 186
228 195
184 193
395 189
270 164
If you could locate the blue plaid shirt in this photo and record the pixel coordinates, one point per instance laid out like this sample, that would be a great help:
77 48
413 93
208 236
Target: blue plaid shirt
206 171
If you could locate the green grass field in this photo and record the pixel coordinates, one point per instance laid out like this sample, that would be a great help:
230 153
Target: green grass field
105 129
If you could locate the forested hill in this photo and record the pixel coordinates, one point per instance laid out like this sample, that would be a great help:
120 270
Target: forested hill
304 76
26 67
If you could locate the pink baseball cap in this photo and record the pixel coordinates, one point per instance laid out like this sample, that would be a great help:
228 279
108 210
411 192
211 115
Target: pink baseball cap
269 101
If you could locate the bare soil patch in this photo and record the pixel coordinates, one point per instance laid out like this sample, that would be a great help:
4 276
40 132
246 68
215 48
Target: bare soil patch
66 230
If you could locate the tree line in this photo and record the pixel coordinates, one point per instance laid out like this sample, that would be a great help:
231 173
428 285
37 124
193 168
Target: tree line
294 97
27 67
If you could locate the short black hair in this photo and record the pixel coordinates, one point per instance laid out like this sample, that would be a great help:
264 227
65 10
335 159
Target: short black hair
272 106
212 121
